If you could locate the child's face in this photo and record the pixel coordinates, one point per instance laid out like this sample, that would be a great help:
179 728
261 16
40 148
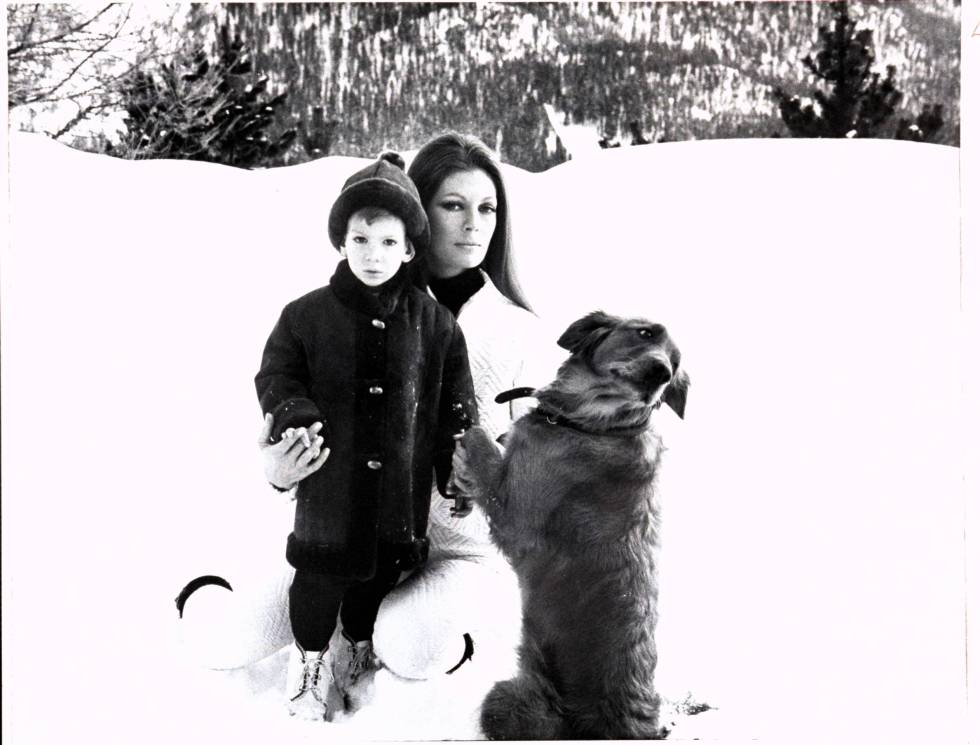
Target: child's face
375 251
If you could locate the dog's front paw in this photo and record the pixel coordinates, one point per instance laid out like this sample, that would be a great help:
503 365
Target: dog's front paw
475 462
479 446
462 483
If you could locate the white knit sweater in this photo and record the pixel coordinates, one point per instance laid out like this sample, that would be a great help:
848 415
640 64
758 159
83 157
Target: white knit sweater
501 340
506 349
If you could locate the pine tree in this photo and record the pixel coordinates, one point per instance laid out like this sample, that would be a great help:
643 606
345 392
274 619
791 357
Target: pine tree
192 109
860 103
926 126
318 134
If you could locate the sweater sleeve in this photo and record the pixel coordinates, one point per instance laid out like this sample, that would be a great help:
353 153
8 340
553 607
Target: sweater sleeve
457 406
283 381
540 359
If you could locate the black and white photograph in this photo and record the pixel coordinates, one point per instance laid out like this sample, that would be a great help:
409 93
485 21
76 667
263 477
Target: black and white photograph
510 371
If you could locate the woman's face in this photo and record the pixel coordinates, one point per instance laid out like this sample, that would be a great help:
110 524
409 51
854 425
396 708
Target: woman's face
462 217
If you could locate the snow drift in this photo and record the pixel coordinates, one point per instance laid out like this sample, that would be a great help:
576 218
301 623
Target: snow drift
812 568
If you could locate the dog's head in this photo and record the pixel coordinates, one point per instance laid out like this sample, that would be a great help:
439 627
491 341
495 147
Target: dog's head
632 353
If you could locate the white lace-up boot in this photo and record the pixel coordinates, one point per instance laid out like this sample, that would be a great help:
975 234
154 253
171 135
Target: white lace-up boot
308 684
354 665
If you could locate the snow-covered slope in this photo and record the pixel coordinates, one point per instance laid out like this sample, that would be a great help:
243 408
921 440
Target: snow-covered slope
812 571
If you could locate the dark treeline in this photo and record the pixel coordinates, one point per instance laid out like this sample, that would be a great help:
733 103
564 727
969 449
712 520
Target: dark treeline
362 77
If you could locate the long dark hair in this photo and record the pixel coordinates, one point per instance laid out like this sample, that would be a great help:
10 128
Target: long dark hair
451 153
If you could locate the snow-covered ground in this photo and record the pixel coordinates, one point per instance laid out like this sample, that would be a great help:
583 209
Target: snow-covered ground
812 574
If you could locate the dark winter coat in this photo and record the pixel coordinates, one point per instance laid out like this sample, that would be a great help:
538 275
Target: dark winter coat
382 370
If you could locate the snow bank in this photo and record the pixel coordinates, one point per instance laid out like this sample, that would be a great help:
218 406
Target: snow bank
812 573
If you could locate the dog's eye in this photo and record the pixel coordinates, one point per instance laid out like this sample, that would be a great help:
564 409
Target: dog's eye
645 333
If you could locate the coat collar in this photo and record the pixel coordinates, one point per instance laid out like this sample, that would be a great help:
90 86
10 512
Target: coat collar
378 301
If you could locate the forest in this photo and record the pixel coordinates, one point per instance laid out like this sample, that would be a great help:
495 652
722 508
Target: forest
355 78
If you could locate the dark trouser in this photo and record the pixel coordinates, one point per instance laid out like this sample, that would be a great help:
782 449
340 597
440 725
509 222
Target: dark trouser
314 600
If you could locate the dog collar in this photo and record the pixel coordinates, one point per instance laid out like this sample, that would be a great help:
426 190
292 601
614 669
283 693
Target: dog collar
553 417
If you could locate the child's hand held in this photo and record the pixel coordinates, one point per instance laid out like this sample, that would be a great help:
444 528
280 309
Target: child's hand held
299 452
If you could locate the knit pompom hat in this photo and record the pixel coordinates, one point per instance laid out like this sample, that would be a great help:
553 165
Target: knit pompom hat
383 184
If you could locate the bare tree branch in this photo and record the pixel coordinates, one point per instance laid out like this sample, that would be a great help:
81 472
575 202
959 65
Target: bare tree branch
30 26
82 113
63 55
89 56
20 95
99 83
41 42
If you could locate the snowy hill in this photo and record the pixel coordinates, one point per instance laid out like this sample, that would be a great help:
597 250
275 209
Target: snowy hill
812 569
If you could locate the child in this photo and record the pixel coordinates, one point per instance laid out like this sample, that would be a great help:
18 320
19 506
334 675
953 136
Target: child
384 367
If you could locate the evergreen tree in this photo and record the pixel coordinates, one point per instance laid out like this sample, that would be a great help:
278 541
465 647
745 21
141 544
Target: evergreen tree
860 103
192 109
926 126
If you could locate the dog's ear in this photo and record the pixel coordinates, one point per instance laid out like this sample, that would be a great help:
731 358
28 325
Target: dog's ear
675 394
587 331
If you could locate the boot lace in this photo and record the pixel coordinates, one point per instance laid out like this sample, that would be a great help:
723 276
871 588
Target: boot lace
361 660
312 672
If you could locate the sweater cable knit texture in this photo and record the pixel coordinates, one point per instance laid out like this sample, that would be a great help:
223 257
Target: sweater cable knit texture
505 344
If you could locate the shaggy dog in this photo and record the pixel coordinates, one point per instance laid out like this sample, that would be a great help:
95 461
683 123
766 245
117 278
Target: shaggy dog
574 505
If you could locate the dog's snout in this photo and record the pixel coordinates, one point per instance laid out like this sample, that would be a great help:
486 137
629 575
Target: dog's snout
656 372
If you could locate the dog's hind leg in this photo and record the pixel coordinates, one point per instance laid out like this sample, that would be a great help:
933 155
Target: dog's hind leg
619 717
522 708
526 707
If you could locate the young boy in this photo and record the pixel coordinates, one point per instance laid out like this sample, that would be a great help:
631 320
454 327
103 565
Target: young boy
384 367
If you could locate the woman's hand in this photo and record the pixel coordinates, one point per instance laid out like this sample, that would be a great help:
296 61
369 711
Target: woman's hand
299 453
460 482
462 506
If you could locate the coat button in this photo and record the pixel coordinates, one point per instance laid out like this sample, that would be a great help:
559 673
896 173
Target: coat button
375 390
374 465
378 323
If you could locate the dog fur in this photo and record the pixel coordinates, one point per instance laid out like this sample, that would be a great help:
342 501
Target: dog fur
573 503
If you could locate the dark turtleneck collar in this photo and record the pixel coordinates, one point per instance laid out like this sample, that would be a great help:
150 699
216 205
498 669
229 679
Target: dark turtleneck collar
377 301
453 292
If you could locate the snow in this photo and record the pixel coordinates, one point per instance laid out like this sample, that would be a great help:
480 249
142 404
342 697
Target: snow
812 573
